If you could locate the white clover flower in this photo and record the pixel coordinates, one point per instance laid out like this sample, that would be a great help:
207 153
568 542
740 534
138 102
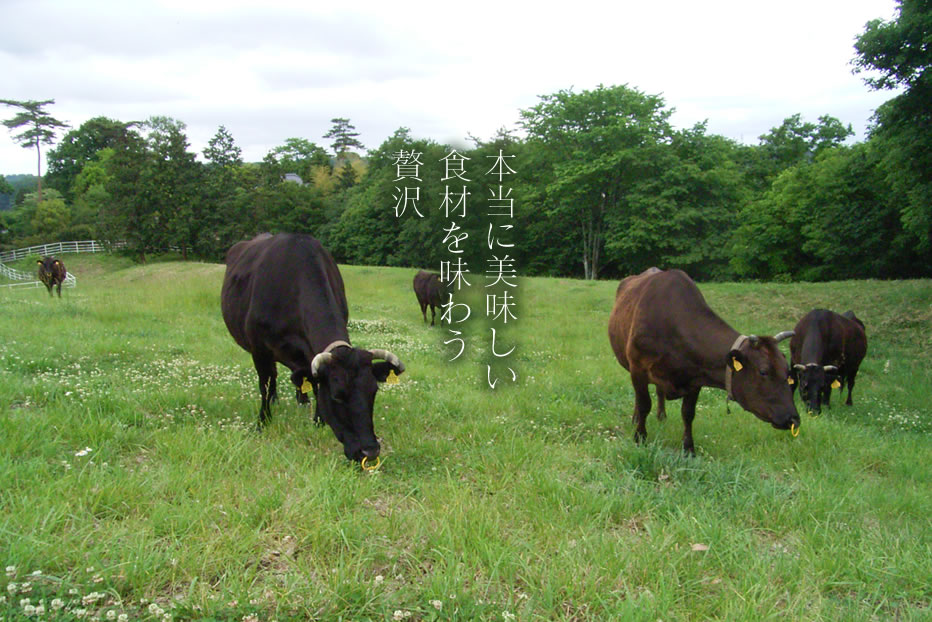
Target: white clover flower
122 618
79 613
29 610
437 604
507 615
11 571
57 604
12 587
155 610
24 601
378 579
40 609
398 615
111 615
37 573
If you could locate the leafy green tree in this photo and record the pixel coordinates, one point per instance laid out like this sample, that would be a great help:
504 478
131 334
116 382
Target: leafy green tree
40 128
51 216
128 217
592 148
299 156
901 52
78 147
219 228
794 142
89 192
683 214
171 183
831 219
344 137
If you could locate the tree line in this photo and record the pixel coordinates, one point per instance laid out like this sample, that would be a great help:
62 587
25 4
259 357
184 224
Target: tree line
605 187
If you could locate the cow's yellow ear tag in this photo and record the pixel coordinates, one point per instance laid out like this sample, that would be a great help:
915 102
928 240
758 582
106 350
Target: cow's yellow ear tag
736 364
836 384
306 386
392 378
789 380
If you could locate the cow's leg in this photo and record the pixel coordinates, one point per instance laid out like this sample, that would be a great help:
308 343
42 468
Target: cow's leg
265 368
424 311
59 289
641 405
433 314
848 401
689 413
661 405
827 395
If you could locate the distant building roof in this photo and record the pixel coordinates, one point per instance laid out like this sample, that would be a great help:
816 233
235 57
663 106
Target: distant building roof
294 177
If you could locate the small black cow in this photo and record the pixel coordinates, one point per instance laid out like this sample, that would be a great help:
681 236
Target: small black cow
283 301
52 273
427 290
826 352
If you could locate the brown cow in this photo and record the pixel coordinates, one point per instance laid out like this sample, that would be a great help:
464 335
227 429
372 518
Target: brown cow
663 332
427 290
826 352
52 273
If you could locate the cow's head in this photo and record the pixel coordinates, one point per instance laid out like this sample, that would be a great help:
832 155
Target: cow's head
815 382
760 380
345 383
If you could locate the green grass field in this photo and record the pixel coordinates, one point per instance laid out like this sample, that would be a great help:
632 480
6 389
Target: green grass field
132 483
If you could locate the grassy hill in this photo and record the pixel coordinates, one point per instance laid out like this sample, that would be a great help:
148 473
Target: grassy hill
131 479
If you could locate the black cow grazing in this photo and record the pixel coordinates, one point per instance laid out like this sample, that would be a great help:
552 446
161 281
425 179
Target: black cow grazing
826 353
663 332
427 290
283 301
52 273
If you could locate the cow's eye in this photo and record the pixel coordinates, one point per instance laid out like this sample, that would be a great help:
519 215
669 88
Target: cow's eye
763 373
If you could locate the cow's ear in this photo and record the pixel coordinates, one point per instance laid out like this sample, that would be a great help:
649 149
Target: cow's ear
382 369
736 360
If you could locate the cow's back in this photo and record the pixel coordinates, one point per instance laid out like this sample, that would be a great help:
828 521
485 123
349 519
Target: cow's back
657 316
818 338
427 287
279 285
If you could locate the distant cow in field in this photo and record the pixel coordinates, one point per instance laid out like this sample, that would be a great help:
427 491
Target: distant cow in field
427 290
283 300
826 353
52 273
663 332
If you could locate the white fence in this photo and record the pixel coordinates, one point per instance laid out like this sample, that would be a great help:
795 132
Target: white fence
57 248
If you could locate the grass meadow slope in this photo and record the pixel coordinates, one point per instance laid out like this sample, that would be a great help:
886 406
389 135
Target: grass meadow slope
132 483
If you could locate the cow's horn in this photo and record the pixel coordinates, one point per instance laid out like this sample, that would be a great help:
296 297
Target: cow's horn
323 358
385 355
783 335
830 368
754 339
799 367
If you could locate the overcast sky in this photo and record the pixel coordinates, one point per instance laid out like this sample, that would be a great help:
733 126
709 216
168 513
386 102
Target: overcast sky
273 70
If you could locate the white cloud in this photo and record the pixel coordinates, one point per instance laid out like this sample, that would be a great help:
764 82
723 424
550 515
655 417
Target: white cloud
279 69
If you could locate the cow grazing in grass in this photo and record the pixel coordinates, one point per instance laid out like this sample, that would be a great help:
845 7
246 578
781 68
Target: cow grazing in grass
283 301
826 352
427 290
52 273
663 332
